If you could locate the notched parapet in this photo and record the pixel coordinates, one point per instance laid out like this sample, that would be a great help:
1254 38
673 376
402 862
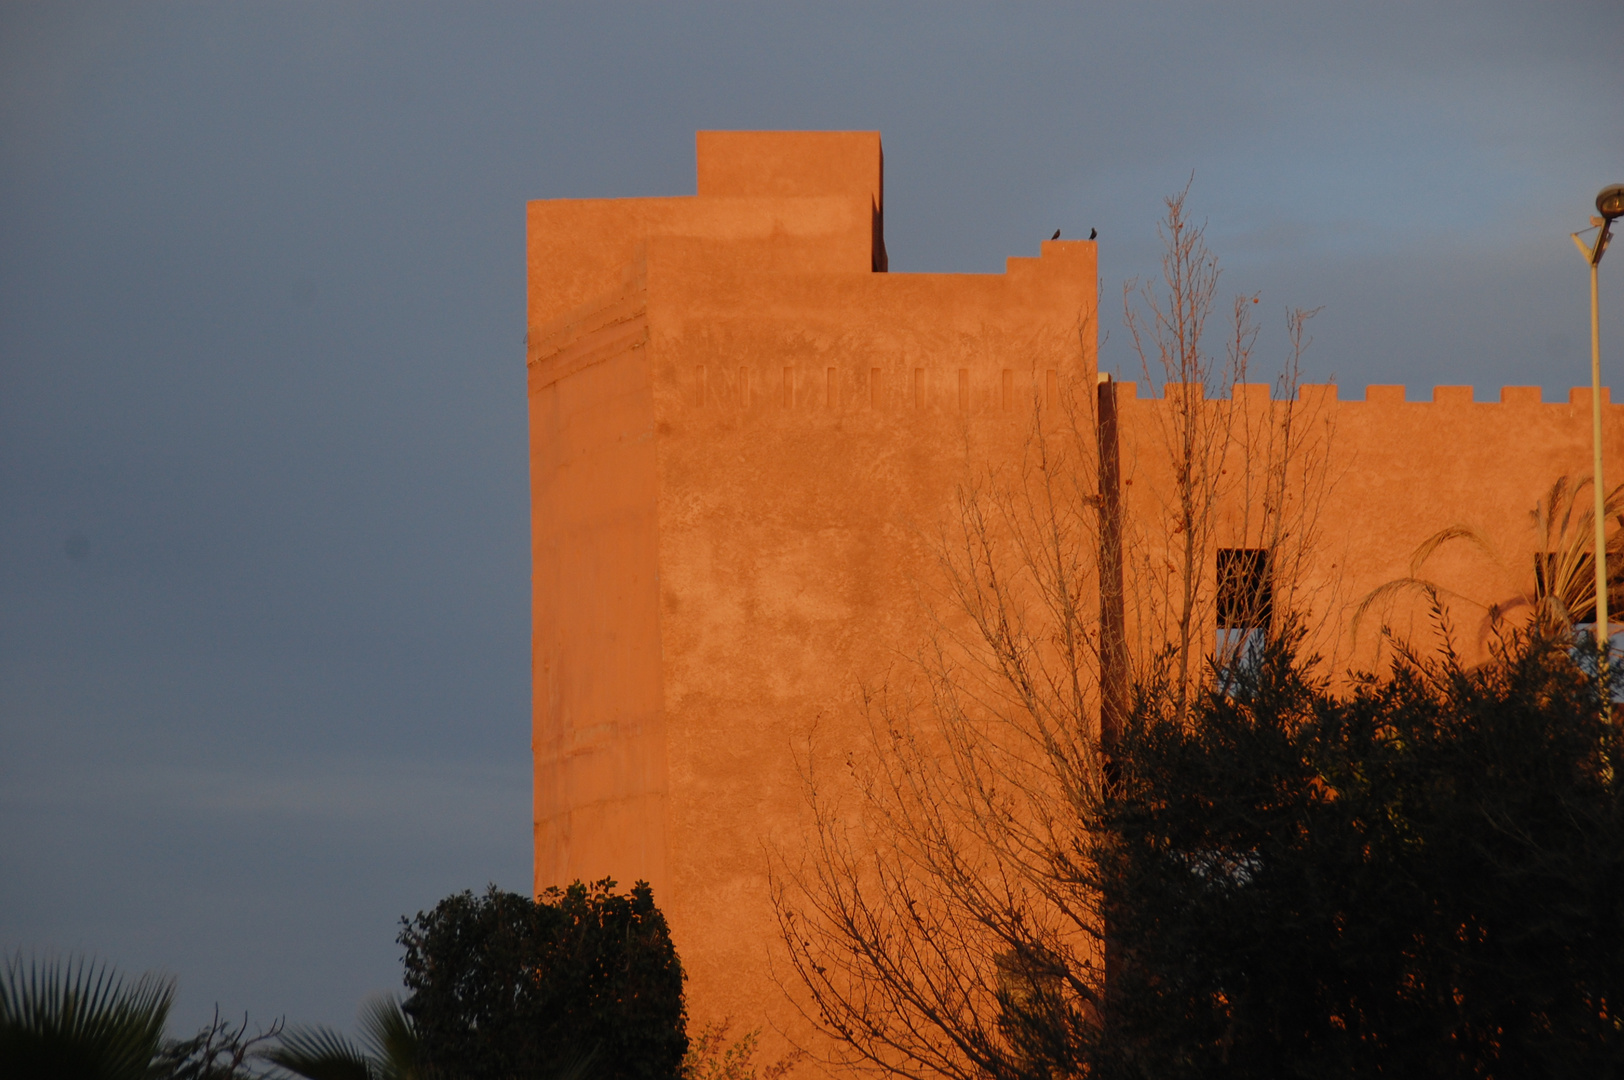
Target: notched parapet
1463 395
1248 393
1375 394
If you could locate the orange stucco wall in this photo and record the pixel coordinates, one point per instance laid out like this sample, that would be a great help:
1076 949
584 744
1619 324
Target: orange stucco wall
745 437
1397 471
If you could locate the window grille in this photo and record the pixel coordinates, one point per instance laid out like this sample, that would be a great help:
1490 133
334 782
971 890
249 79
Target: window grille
1245 603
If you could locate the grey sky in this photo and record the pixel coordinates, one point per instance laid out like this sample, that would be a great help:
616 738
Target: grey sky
264 667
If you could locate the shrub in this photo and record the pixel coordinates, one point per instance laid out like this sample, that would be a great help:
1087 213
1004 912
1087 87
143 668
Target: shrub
503 986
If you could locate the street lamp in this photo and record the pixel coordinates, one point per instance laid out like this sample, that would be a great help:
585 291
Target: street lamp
1610 205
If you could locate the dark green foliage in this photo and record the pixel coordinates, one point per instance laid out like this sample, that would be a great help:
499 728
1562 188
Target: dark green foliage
74 1019
1423 879
506 987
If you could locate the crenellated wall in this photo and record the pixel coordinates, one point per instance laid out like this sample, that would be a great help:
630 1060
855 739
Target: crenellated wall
1395 472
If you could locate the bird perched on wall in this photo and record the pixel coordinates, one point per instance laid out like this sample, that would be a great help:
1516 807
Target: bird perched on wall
1056 235
1093 233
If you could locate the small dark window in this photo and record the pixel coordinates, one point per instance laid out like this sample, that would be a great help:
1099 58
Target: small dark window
1245 604
1245 589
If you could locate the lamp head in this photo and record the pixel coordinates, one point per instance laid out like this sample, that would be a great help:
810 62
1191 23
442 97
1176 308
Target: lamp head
1610 203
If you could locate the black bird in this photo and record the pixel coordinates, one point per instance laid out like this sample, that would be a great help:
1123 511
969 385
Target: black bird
1056 235
1092 233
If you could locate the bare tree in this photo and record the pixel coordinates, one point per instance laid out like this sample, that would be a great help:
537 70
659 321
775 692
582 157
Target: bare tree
1168 327
944 919
1218 462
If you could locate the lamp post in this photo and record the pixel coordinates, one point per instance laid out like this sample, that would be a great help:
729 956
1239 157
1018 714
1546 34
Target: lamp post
1610 205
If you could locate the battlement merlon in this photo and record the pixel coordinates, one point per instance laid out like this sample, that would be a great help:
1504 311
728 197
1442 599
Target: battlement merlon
798 164
791 164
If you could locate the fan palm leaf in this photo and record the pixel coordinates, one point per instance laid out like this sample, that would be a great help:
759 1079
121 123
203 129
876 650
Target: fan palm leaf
320 1053
76 1018
390 1038
388 1048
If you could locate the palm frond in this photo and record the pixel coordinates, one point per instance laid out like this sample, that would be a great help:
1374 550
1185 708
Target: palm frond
1564 573
320 1053
1564 589
1431 544
390 1038
1388 592
77 1017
